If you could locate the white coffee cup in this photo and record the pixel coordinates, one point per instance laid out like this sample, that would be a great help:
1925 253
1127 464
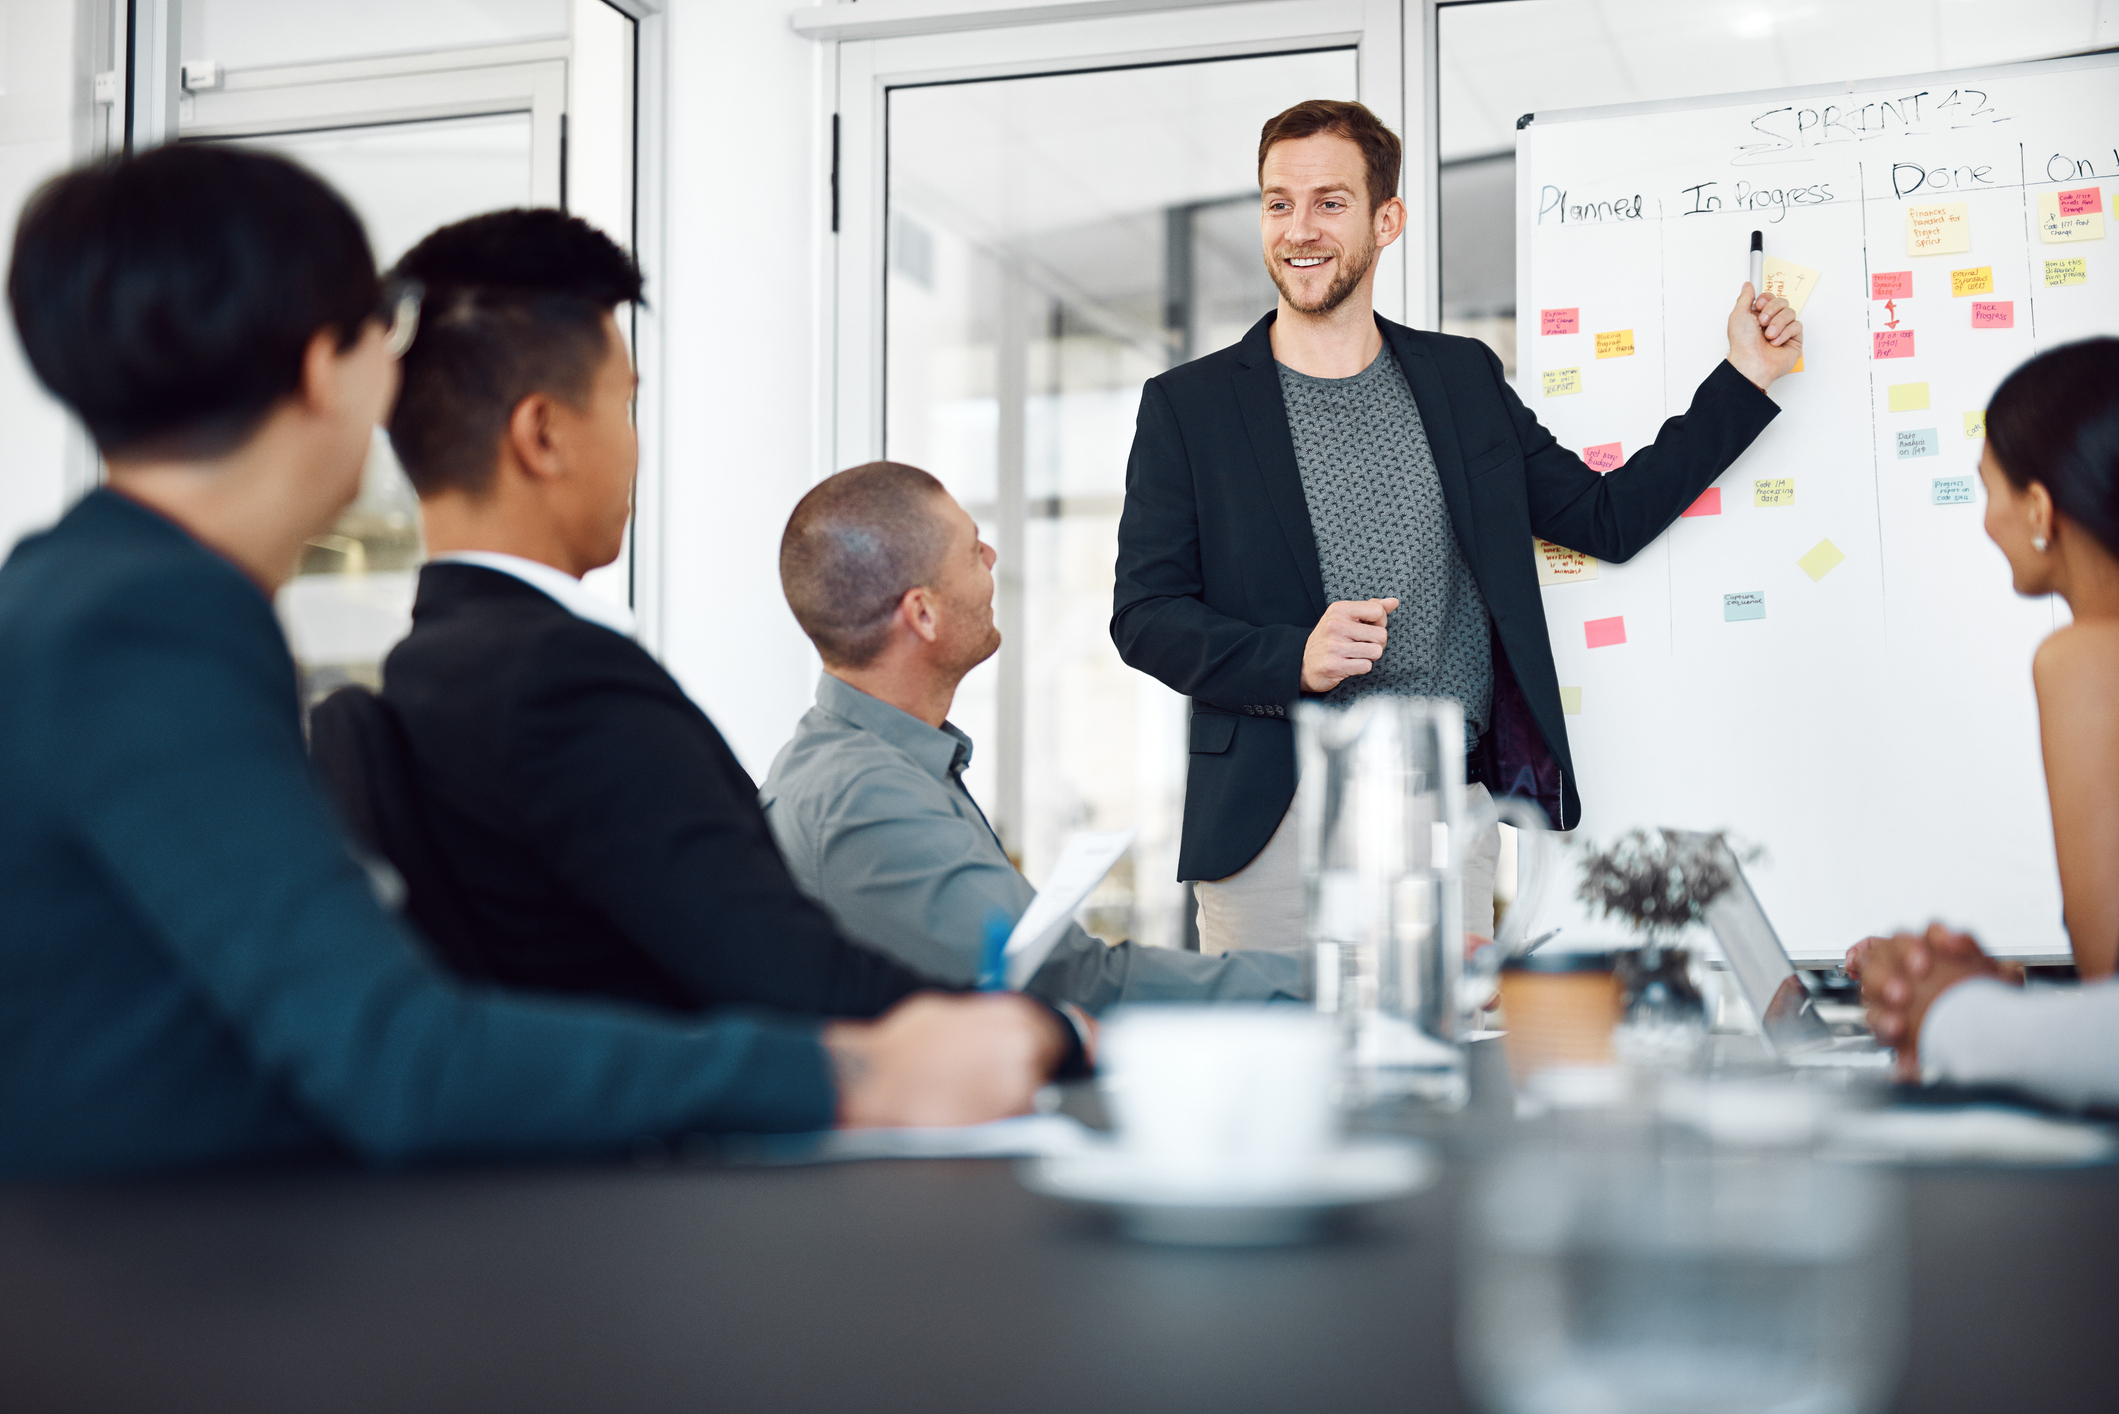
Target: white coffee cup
1221 1098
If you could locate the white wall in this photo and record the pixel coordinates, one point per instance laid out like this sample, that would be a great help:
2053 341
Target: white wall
37 139
747 216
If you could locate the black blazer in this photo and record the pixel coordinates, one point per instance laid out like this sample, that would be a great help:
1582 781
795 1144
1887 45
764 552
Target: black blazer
601 833
1219 586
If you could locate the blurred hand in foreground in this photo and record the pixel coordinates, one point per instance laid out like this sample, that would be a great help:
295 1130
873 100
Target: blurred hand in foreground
1902 975
934 1060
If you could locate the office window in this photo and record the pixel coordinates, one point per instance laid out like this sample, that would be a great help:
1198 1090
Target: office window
1501 60
1053 241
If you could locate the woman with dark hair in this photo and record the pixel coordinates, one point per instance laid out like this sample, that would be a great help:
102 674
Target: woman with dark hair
2051 468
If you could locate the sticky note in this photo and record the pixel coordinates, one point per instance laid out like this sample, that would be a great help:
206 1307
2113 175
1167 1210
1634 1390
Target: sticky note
1975 424
1605 633
2081 199
1979 281
1709 504
1559 565
1820 560
1896 284
1617 344
1748 605
1779 491
1798 364
1993 314
1605 456
2075 270
1953 490
1941 229
1909 397
1559 321
2056 226
1890 343
1571 701
1923 443
1790 281
1562 380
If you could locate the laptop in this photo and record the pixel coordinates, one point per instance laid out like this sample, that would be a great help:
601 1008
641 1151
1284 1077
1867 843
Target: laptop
1788 1019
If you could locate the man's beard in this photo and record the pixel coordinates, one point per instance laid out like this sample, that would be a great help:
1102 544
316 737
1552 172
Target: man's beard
1350 275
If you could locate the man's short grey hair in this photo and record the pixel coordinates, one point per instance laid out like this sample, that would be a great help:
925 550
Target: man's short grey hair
852 548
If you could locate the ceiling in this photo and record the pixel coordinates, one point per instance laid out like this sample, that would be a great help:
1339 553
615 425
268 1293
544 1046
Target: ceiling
1503 59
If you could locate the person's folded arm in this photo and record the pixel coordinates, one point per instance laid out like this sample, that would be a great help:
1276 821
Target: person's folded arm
203 812
2058 1042
631 794
1615 515
1160 621
918 879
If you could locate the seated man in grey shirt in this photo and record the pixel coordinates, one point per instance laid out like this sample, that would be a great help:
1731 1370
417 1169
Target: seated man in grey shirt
887 575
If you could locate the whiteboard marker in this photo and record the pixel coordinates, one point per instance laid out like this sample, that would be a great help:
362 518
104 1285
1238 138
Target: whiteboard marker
1758 262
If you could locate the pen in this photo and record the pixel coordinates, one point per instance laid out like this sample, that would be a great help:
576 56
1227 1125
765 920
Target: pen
993 959
1758 262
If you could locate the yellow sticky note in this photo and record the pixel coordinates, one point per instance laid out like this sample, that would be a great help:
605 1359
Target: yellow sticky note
1972 282
1823 558
2075 270
1975 424
1562 380
1778 492
1909 397
2056 226
1571 701
1941 229
1616 344
1790 281
1559 565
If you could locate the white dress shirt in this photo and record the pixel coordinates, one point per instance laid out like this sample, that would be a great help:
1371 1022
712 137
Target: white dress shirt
2058 1042
573 596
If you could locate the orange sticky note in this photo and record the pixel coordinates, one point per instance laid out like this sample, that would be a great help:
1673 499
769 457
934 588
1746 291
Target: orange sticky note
1709 503
1604 633
1605 457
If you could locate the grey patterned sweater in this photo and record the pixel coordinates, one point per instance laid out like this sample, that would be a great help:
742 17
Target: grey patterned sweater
1383 531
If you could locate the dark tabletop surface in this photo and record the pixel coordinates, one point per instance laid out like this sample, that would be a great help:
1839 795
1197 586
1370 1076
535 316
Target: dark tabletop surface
877 1286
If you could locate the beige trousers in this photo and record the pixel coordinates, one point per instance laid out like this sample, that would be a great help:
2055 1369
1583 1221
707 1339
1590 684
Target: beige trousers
1259 908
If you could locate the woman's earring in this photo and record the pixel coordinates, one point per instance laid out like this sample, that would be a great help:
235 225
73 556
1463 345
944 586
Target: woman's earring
2038 543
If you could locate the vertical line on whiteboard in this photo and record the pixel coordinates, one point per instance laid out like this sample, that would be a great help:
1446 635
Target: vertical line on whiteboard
1662 291
2030 285
1876 473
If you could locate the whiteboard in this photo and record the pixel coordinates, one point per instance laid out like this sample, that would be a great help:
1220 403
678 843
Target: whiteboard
1874 727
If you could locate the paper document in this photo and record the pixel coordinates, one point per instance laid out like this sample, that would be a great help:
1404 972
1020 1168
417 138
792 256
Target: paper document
1082 866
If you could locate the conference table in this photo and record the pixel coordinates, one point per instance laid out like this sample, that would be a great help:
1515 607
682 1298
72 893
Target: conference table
882 1285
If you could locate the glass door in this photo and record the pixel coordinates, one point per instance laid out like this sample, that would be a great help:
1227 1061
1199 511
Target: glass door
1043 240
415 142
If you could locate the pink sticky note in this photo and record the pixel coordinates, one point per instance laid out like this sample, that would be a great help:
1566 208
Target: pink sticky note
1603 458
1603 633
1894 343
1559 321
1996 314
2081 201
1709 503
1898 284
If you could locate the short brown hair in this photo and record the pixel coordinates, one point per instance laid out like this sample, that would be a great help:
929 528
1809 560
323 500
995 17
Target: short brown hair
1380 149
852 548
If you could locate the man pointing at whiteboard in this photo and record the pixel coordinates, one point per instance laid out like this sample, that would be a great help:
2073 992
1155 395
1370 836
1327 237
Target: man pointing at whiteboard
1341 505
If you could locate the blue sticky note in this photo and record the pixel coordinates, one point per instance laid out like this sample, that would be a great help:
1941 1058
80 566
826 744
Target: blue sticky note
1920 443
1750 605
1953 490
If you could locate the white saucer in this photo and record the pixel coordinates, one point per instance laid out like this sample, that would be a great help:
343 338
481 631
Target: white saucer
1151 1208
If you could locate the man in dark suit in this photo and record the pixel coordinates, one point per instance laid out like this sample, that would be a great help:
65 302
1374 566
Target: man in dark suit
1308 517
193 968
597 829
